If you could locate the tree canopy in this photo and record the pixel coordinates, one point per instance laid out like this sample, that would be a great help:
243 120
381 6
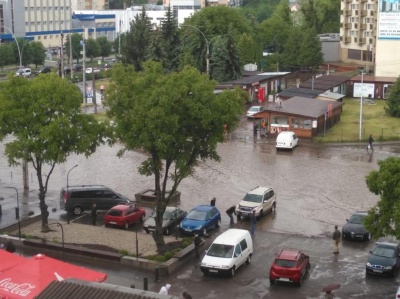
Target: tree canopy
384 218
393 100
44 115
177 124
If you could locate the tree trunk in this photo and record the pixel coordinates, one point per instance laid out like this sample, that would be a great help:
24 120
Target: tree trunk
158 237
44 213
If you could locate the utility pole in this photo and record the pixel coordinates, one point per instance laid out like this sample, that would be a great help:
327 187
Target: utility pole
84 66
62 55
94 91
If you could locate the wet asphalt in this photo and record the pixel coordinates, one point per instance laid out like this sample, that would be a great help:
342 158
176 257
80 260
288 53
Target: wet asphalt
317 186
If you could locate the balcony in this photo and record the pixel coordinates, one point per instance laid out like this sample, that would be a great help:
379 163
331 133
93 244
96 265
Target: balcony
349 1
364 13
355 39
363 26
347 39
362 41
371 26
348 13
363 1
356 12
347 26
371 12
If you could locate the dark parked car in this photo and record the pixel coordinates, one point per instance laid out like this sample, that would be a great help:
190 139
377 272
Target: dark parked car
354 229
77 67
171 218
384 259
43 70
76 199
67 70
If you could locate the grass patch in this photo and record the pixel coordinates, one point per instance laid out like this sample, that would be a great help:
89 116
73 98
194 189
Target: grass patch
375 121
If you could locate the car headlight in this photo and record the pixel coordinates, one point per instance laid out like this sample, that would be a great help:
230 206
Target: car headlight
369 265
388 268
203 264
146 225
224 267
199 227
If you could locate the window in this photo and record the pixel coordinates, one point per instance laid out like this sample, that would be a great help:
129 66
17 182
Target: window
108 194
238 250
45 37
39 37
83 194
243 244
354 54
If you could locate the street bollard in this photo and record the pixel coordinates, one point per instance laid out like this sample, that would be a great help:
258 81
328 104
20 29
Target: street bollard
145 284
17 213
1 212
157 274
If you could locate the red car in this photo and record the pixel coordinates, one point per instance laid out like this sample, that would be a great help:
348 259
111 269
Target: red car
124 215
289 265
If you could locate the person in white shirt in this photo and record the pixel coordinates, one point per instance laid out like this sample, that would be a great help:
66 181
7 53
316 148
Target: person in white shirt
164 290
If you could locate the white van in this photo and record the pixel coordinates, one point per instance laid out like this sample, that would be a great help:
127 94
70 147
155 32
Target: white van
286 140
25 72
228 252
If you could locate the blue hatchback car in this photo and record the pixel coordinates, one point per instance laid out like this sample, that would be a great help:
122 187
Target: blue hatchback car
201 219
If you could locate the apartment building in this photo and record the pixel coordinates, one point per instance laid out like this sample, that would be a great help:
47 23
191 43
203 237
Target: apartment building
203 3
358 24
90 5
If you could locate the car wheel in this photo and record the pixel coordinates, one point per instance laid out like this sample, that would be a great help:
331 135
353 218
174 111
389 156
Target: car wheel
77 210
248 260
238 217
204 231
147 231
308 267
300 282
274 206
126 225
218 223
272 281
166 231
232 272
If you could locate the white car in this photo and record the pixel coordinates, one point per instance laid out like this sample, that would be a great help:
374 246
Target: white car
262 199
25 72
253 110
90 70
286 140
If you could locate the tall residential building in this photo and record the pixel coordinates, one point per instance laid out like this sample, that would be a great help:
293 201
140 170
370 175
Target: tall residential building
358 24
90 4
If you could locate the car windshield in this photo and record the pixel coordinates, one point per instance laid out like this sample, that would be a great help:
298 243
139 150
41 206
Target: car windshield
219 250
253 109
253 198
285 263
357 219
384 252
166 215
114 213
197 215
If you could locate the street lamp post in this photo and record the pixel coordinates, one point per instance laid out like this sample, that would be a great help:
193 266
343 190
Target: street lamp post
361 105
208 48
68 190
62 237
19 50
17 212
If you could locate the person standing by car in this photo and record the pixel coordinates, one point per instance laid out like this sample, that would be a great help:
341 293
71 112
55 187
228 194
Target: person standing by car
230 213
336 240
197 242
255 128
212 202
253 221
164 289
94 214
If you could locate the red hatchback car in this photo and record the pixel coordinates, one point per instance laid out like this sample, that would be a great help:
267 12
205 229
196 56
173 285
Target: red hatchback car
124 215
289 265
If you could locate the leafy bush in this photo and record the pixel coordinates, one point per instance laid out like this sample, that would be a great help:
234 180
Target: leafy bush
185 244
151 257
160 258
123 251
168 255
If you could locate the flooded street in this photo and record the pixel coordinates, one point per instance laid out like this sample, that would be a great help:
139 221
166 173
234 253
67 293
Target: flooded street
317 187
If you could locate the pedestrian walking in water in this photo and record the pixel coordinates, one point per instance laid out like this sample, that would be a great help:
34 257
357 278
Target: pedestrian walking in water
230 213
255 128
165 289
370 140
212 202
336 240
197 242
253 222
94 214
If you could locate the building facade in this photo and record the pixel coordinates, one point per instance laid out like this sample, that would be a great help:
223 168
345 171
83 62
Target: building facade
358 24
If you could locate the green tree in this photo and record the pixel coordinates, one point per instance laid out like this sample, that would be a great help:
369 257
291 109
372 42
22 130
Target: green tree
393 100
247 49
291 53
259 9
76 46
93 48
310 49
155 50
105 46
24 51
6 55
38 53
323 15
274 33
135 49
177 124
39 113
384 218
283 11
171 41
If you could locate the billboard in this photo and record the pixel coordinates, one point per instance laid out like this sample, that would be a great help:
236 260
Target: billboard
389 19
365 90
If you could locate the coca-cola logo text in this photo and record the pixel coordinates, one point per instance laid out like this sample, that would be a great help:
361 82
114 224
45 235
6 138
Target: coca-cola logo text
22 289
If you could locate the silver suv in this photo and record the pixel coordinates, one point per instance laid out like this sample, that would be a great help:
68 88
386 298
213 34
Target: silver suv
262 199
